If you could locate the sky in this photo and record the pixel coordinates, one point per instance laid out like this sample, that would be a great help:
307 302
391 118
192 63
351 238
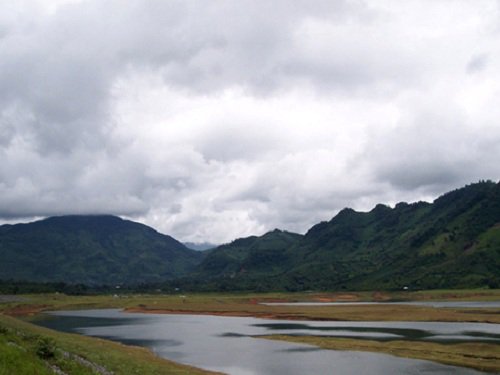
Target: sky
213 120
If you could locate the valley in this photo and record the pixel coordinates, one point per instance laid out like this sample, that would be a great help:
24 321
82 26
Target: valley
460 353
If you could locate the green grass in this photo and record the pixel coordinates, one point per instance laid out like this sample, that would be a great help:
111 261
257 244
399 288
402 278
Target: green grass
26 352
16 359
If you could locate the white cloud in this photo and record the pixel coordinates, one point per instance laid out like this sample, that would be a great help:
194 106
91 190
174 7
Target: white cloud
211 121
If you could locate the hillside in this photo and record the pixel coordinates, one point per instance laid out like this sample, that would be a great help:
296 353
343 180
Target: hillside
453 242
91 250
257 255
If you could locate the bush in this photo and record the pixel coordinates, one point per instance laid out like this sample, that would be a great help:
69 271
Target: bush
4 330
45 348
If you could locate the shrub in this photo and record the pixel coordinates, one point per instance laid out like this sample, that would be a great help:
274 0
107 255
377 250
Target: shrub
45 348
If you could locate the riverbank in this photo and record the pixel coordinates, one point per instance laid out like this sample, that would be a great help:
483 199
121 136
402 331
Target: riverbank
28 349
239 304
254 305
121 358
392 312
479 356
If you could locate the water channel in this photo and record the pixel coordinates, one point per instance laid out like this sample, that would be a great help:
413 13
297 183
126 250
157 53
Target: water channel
227 344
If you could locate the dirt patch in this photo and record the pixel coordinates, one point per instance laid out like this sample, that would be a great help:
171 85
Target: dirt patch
380 297
344 297
6 298
25 310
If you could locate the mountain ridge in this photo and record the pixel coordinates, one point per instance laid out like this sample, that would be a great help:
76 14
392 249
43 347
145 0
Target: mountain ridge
452 242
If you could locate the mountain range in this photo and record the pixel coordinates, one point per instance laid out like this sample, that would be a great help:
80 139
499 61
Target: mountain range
450 243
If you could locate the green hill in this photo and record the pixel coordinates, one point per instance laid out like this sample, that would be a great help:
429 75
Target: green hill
453 242
255 255
91 250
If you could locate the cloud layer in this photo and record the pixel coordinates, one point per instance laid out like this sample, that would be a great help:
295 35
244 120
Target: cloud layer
214 120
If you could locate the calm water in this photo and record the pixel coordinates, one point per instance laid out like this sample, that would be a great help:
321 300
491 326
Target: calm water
225 343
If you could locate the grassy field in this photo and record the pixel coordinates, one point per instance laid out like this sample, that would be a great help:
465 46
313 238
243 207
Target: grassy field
249 305
21 341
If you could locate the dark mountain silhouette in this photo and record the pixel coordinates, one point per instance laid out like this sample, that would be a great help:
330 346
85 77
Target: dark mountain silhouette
91 250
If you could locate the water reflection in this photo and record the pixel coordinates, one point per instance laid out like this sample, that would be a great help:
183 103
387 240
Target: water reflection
383 331
226 343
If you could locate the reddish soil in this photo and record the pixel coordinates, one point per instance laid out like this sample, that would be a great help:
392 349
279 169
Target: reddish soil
344 297
25 310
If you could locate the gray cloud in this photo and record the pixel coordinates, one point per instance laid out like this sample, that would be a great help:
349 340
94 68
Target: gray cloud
216 120
477 63
435 153
57 73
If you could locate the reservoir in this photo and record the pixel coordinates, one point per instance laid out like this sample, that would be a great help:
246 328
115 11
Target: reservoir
229 345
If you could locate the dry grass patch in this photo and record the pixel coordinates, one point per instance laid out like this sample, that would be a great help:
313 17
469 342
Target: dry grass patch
480 356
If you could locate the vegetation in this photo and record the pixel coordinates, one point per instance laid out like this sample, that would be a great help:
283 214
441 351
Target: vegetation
91 250
27 349
30 349
250 304
481 356
451 243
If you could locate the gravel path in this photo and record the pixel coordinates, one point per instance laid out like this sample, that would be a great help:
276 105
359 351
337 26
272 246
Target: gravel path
4 298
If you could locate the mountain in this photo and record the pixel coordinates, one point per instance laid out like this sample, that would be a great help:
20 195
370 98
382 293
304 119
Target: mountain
452 242
200 246
256 255
91 250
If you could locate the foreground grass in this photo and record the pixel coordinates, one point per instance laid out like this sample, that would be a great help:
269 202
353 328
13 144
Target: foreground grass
480 356
28 349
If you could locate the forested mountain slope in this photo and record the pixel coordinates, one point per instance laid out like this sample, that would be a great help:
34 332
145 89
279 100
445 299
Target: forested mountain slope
91 250
452 242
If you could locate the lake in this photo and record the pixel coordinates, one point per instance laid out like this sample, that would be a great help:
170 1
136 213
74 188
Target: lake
226 344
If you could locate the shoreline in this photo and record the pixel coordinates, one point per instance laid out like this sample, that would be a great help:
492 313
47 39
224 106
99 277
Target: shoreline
340 313
236 314
248 305
253 305
478 356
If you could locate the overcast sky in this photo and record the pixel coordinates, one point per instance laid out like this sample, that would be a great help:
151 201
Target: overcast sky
212 120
